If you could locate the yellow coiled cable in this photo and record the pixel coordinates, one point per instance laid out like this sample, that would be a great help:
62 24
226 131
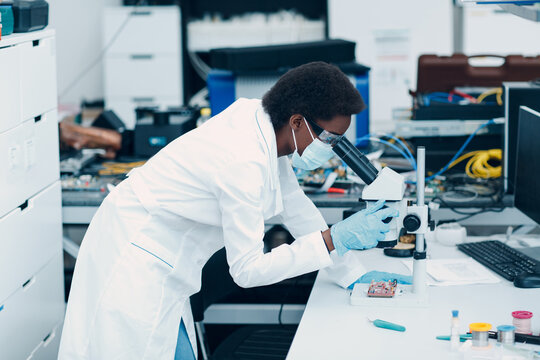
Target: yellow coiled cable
478 165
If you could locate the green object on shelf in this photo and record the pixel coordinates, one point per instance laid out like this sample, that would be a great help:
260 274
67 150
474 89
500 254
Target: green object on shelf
7 20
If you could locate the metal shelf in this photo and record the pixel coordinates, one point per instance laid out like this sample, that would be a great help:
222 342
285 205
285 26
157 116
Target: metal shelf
523 11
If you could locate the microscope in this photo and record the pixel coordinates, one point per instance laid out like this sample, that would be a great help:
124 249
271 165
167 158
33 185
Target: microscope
390 186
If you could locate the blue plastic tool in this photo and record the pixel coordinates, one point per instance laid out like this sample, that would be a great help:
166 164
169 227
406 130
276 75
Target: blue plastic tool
387 325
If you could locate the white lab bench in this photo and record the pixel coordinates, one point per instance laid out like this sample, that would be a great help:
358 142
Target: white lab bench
331 328
331 207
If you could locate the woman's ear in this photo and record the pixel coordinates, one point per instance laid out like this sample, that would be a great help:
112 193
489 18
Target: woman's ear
296 121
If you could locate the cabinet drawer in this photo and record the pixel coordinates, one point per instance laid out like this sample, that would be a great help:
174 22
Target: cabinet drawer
28 315
10 110
29 238
28 160
38 77
140 32
48 349
142 76
125 107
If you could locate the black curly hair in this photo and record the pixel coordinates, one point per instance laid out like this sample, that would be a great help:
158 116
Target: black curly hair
317 90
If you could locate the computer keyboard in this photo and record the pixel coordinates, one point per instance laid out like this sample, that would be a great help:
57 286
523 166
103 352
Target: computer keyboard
499 258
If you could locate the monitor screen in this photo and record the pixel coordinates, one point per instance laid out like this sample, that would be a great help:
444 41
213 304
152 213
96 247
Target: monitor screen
527 186
516 94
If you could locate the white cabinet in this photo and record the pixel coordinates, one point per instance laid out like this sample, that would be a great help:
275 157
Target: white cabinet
38 77
29 160
48 348
29 315
31 263
10 111
30 238
143 65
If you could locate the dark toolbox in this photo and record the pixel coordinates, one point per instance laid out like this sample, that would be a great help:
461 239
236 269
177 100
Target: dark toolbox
449 87
30 15
157 127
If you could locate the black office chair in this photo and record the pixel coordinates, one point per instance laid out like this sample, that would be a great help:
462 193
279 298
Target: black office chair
250 342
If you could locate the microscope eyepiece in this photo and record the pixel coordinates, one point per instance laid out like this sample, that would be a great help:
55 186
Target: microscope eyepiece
355 160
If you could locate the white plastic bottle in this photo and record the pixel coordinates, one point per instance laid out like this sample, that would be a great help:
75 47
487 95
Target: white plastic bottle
454 331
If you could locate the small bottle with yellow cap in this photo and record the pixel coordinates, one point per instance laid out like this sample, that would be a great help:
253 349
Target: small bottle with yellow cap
206 114
480 334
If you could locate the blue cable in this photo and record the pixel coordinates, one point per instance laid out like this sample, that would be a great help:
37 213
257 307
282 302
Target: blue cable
405 147
460 151
367 137
410 157
442 97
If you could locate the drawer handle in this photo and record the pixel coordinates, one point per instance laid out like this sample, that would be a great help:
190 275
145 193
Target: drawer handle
37 118
35 43
143 99
141 13
142 56
24 205
50 336
47 337
29 282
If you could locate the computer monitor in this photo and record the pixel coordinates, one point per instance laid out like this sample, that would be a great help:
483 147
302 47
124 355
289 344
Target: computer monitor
516 94
527 185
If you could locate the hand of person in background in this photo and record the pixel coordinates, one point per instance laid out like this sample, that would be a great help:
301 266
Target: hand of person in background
362 230
382 276
80 137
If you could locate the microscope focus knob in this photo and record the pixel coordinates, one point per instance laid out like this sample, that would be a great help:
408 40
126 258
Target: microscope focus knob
411 223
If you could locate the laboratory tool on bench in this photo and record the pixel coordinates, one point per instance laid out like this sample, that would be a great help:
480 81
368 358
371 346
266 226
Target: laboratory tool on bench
506 334
480 336
454 331
388 185
385 289
522 321
520 338
386 325
462 337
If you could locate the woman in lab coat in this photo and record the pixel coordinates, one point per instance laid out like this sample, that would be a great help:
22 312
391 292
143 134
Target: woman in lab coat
145 248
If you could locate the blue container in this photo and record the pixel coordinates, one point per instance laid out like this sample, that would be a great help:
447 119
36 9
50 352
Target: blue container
6 13
222 93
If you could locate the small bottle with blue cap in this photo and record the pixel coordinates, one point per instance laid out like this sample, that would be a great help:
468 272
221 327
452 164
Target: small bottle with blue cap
506 334
454 331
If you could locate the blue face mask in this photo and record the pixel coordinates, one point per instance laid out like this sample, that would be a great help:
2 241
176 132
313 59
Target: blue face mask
314 155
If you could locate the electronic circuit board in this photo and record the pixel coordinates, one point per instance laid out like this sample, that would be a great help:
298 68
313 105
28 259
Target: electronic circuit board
382 289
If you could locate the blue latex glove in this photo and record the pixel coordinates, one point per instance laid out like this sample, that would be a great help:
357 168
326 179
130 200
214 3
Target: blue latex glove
362 230
382 276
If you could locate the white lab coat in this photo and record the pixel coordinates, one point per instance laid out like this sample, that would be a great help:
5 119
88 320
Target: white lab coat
145 248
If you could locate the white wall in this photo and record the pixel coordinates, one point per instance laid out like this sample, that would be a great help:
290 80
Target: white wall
490 30
389 36
78 41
